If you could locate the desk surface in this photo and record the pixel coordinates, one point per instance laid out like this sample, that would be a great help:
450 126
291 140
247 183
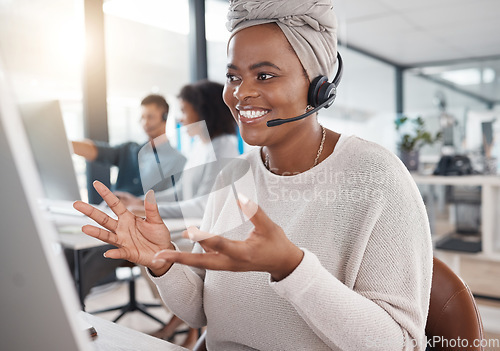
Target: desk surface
472 180
111 336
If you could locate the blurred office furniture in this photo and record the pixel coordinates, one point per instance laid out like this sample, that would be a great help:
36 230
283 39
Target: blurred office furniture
487 260
455 165
466 203
132 304
490 161
488 195
78 242
453 314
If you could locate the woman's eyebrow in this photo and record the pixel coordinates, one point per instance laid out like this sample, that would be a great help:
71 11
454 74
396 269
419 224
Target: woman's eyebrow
263 64
255 65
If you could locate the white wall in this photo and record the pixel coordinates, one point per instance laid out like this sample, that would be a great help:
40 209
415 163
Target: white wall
366 101
419 100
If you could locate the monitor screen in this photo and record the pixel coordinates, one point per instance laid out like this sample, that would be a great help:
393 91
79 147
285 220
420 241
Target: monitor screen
44 127
38 301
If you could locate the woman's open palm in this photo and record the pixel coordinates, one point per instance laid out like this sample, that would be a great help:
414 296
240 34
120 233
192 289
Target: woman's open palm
137 239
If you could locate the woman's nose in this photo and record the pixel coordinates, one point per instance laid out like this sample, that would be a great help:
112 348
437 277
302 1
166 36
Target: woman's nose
245 90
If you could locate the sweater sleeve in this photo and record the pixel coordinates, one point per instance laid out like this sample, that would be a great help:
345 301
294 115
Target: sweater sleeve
181 288
387 307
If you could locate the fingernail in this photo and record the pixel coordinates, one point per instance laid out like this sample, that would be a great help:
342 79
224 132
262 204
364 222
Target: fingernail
195 234
191 231
104 254
249 208
186 235
243 199
159 260
150 197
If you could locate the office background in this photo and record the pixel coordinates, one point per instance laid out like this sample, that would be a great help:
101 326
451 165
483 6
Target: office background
100 58
398 55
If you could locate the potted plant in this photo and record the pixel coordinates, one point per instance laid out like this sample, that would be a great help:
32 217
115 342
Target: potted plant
413 140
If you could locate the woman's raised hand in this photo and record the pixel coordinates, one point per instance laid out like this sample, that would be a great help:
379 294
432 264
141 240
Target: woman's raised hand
267 248
137 239
128 199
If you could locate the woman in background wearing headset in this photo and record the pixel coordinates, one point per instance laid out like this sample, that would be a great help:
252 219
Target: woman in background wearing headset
337 252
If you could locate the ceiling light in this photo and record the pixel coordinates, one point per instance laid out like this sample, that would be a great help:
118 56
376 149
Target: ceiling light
169 15
470 76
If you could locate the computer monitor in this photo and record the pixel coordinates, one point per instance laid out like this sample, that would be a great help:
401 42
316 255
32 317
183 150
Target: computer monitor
44 127
38 301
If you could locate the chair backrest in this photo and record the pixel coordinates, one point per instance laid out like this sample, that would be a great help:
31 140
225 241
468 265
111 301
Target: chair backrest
453 322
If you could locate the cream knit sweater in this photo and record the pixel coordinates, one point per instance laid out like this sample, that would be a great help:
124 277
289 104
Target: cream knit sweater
364 282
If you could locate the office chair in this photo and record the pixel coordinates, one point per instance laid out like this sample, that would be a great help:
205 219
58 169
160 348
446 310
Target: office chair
453 312
132 304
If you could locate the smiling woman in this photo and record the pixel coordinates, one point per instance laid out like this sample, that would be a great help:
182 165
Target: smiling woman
265 81
336 253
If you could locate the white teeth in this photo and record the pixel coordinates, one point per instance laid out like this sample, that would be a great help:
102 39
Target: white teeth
252 113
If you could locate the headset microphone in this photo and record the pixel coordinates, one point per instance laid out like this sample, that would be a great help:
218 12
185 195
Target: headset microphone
321 94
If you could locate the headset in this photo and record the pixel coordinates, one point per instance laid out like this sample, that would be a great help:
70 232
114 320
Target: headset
321 94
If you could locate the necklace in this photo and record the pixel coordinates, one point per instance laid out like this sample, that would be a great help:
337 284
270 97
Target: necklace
320 150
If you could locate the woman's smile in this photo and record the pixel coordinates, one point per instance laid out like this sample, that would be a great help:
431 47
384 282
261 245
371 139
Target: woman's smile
251 114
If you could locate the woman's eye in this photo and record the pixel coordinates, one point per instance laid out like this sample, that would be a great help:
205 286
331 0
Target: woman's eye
264 76
231 77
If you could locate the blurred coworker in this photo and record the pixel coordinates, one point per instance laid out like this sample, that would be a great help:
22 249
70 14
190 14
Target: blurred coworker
201 101
154 118
125 156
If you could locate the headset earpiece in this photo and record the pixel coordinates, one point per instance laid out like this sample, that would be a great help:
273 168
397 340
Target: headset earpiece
320 91
321 94
164 116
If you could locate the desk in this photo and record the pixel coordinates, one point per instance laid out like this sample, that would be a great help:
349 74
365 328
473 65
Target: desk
488 260
111 336
490 209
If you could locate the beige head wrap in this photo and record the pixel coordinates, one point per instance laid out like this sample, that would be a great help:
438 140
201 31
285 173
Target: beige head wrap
309 25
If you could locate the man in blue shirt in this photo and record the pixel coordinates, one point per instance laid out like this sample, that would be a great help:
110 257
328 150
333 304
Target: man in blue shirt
125 156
